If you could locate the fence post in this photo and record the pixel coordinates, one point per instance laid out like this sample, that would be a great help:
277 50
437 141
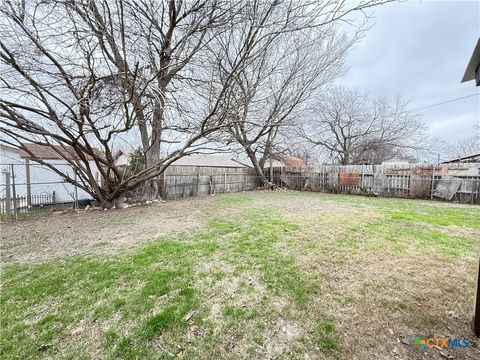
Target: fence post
8 209
164 185
14 192
197 184
225 182
322 180
433 183
271 170
175 186
362 179
76 192
211 188
29 186
474 188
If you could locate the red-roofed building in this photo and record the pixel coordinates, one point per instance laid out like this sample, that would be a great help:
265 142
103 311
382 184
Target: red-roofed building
277 161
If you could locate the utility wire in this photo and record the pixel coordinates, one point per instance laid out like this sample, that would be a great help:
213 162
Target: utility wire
445 102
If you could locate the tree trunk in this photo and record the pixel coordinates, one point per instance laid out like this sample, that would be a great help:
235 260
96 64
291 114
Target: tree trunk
258 170
152 154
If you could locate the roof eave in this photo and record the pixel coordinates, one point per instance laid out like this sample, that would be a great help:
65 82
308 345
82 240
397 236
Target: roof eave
472 64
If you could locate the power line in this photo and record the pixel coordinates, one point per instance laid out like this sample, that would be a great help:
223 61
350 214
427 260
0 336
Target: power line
444 102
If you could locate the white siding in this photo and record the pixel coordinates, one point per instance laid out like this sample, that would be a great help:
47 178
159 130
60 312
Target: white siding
43 180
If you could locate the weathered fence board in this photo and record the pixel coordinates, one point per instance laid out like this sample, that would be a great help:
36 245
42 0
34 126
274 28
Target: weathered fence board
415 181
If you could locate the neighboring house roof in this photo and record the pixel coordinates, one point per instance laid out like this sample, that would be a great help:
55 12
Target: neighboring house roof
472 64
50 152
207 161
470 158
278 161
291 161
248 163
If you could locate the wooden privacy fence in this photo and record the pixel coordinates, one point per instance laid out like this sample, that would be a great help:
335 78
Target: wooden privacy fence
185 185
17 196
453 182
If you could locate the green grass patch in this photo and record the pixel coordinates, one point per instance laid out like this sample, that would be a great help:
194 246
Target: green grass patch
41 304
464 217
413 238
325 336
144 294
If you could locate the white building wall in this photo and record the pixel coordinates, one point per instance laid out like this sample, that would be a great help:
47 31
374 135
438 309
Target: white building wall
43 180
9 157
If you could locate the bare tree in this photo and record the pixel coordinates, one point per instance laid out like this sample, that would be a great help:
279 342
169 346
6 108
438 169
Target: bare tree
72 79
150 42
464 147
353 128
271 91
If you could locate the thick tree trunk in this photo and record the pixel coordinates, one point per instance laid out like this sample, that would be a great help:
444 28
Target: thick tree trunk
258 170
152 155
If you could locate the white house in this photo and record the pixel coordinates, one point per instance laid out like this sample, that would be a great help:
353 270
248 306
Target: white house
35 182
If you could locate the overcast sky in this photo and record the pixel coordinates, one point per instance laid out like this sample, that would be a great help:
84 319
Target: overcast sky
419 50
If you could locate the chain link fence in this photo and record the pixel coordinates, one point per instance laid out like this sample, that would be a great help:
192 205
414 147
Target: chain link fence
26 187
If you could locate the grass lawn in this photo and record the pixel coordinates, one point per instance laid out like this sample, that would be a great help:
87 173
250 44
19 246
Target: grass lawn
255 275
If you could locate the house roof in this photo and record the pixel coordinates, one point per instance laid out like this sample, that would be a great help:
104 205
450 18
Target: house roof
4 147
291 161
248 163
277 161
207 161
472 64
50 152
469 158
43 152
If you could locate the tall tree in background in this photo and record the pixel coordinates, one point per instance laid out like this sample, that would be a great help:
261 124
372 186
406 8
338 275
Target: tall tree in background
352 128
269 93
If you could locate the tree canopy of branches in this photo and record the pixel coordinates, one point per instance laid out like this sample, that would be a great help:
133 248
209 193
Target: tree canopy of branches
273 89
353 129
270 92
88 76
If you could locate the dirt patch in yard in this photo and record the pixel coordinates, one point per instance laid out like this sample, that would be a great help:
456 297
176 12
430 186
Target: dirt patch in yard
421 297
61 235
57 236
459 231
